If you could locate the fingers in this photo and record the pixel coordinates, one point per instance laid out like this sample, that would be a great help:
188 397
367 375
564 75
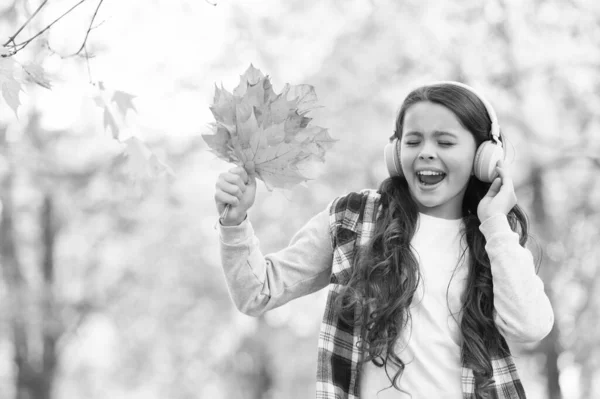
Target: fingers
495 187
231 186
504 174
506 187
239 176
246 172
235 180
239 172
225 198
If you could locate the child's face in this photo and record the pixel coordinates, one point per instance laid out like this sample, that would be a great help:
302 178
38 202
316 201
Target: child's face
434 140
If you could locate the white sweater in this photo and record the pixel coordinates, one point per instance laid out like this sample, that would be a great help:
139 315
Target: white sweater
523 313
430 347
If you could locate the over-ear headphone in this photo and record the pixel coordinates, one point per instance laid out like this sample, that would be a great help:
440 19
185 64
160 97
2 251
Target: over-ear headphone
488 153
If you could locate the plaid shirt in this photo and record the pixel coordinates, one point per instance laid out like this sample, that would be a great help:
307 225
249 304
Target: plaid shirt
352 219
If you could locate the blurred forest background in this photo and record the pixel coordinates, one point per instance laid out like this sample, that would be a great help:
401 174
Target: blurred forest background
113 289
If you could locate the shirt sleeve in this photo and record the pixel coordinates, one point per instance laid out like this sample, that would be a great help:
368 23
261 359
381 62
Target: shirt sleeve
523 312
258 283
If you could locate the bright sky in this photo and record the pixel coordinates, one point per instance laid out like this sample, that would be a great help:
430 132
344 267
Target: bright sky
170 55
147 51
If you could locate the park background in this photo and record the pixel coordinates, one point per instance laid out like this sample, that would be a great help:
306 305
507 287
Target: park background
112 288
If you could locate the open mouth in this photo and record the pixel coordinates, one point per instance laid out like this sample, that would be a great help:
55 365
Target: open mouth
430 178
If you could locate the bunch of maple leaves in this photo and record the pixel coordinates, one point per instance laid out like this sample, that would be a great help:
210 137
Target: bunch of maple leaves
255 124
142 163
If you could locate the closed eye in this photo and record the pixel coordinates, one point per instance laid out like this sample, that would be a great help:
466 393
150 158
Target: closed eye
446 143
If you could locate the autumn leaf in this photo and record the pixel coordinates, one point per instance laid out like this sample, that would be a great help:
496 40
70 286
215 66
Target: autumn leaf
113 116
304 95
251 77
319 143
219 142
124 101
9 86
36 74
223 107
142 163
256 124
109 121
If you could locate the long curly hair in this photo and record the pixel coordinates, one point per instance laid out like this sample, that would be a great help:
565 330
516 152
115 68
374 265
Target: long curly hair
385 273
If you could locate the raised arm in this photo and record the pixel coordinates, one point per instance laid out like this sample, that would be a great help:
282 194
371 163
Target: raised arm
258 283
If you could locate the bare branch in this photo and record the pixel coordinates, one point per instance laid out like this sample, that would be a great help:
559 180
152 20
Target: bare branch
87 62
20 46
88 31
13 37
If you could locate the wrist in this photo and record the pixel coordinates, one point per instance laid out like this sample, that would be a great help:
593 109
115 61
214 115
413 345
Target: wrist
487 216
232 222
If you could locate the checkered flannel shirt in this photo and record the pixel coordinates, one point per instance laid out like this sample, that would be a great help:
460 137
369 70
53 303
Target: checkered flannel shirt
352 219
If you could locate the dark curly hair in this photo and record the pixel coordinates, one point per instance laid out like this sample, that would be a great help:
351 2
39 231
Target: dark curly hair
385 273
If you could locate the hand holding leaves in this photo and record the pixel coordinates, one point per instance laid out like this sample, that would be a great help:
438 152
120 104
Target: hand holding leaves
271 130
235 193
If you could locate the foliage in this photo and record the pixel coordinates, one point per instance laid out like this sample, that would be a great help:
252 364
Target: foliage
255 124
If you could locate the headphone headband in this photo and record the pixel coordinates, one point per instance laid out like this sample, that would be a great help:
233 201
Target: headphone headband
495 130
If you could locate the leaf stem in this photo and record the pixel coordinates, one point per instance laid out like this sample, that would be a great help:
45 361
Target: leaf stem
224 213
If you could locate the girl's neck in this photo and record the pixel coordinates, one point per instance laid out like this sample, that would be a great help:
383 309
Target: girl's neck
444 219
441 212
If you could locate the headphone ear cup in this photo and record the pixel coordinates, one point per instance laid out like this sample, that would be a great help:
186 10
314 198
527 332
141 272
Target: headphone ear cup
487 156
392 158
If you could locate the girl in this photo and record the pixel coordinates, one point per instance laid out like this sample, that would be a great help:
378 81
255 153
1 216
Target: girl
428 276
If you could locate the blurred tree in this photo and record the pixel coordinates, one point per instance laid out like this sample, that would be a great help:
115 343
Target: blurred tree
120 293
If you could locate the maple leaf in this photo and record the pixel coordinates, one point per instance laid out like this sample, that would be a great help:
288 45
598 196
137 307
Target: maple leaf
218 143
223 107
304 96
251 77
142 162
319 143
124 101
256 124
9 86
36 74
114 116
109 121
293 124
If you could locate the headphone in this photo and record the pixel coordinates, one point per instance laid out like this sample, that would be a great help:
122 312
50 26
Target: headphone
488 153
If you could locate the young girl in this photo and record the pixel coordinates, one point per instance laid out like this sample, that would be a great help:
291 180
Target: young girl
428 276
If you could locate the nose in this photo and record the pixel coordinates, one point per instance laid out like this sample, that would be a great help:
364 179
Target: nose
427 152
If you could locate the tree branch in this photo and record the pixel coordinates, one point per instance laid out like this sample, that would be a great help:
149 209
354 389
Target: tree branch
87 62
13 37
20 46
88 31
